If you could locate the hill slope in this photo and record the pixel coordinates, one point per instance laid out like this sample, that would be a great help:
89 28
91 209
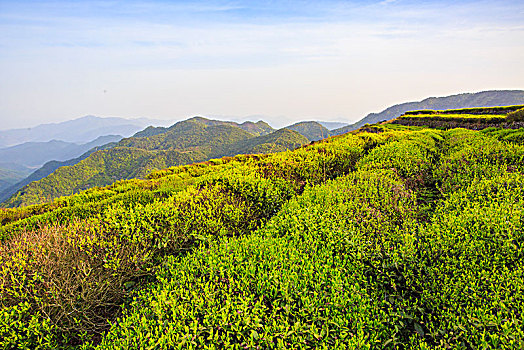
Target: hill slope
314 131
396 239
479 99
194 140
277 141
47 169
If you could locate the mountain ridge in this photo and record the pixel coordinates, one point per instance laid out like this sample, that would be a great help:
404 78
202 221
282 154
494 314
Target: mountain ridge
193 140
79 130
35 154
489 98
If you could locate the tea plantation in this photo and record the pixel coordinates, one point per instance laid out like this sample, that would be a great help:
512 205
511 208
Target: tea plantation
397 237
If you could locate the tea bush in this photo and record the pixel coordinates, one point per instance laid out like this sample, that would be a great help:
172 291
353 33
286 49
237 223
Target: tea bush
393 238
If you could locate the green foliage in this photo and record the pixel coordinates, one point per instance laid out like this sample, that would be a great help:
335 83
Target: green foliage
388 239
119 234
471 111
99 169
77 275
509 135
190 141
472 276
464 118
278 141
516 116
472 155
473 118
321 274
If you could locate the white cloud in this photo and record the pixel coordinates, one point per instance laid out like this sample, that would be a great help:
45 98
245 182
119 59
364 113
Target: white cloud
350 60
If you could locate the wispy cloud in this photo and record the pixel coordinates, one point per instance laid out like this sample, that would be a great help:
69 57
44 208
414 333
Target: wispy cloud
329 48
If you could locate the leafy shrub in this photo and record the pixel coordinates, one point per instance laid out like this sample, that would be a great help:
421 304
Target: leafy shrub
120 240
346 243
515 137
78 275
516 116
313 277
471 155
411 158
470 256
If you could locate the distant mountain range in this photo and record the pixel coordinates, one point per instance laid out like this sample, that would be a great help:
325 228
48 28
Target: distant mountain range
80 130
193 140
17 162
11 187
36 154
103 161
9 177
467 100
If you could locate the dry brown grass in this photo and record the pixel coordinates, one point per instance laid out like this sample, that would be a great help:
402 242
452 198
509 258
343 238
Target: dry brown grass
75 276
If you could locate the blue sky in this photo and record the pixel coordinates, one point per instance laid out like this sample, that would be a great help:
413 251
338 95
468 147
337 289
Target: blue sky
283 60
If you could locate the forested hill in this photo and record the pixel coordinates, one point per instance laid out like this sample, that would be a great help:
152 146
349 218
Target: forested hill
391 237
256 128
314 131
479 99
47 169
193 140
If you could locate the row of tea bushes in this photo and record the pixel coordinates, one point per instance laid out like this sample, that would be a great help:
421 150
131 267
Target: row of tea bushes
325 272
62 283
348 265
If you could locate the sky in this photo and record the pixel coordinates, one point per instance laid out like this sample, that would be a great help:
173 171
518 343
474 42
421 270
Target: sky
281 61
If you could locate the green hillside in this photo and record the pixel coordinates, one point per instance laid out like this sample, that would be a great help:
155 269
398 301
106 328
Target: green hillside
259 128
99 169
45 170
277 141
193 140
509 117
400 237
471 100
312 130
8 177
192 134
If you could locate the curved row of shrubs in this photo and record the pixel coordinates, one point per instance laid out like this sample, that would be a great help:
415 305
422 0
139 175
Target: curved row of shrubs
64 273
376 240
349 265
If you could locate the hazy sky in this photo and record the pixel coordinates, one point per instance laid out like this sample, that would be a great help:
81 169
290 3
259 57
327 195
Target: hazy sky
283 60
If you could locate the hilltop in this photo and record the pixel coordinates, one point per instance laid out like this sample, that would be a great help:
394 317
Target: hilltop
392 236
314 131
193 140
